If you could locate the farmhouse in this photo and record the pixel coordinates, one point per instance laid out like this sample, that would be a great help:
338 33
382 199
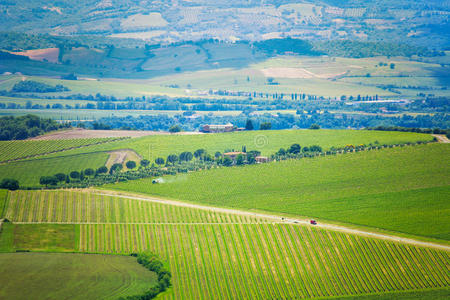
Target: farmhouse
218 128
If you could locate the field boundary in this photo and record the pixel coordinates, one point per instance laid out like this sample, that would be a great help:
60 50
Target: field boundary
281 219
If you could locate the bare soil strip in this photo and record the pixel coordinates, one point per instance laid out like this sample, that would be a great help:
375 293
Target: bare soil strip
121 156
279 219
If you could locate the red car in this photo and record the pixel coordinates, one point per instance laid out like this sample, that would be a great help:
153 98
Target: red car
313 222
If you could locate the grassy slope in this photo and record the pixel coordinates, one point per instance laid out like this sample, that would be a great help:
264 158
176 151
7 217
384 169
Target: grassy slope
28 172
398 189
71 276
268 142
3 195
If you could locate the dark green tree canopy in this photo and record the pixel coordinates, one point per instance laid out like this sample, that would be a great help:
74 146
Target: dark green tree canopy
9 184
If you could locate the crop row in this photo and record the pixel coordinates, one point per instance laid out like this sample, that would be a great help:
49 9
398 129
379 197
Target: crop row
272 261
10 150
80 207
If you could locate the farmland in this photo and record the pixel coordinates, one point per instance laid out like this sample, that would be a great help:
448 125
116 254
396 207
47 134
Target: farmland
268 142
396 189
13 150
28 172
71 276
212 253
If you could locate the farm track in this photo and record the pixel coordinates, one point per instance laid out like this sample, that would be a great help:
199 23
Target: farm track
61 150
279 219
234 254
442 138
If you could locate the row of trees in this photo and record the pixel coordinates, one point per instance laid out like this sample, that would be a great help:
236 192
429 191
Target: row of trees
185 162
154 264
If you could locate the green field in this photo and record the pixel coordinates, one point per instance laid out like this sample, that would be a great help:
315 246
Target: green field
268 142
28 172
235 256
398 189
234 67
435 294
71 276
45 237
3 198
12 150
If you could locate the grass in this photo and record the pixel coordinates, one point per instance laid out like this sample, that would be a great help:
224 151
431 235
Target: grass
71 276
28 172
399 189
235 256
268 142
38 237
3 199
228 69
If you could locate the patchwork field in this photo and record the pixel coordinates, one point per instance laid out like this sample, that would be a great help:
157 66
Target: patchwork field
71 276
237 257
398 189
268 142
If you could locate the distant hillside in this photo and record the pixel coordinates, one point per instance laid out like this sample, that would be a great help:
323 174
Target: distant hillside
419 22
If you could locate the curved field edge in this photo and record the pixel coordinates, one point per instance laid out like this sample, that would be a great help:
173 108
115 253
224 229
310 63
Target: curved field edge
72 276
413 181
268 142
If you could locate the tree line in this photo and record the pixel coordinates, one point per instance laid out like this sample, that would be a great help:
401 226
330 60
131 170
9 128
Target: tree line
23 127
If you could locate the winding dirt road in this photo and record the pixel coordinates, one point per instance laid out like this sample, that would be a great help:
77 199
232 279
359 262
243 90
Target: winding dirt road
279 219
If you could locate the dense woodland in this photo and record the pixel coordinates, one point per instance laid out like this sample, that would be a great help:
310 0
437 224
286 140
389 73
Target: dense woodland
20 128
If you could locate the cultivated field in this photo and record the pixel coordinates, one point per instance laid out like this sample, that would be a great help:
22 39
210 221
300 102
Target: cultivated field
28 172
398 189
71 276
268 142
15 150
79 133
234 256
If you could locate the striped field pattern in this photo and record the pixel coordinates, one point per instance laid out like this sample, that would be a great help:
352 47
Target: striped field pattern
81 207
216 255
10 150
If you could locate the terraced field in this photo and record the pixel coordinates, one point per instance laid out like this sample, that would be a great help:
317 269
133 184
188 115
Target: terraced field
12 150
235 256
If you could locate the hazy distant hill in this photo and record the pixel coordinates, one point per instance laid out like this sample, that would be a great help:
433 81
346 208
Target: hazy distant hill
420 22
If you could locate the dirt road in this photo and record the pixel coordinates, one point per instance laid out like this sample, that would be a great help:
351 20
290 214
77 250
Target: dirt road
442 138
279 219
